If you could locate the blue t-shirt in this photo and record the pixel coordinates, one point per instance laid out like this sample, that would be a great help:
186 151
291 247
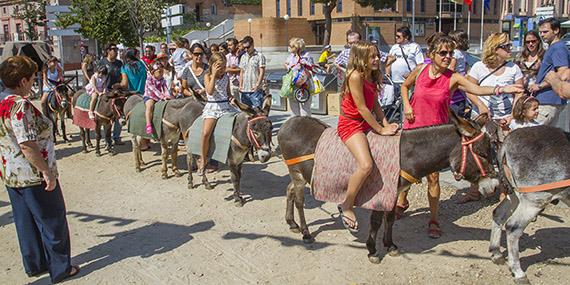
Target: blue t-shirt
556 56
136 76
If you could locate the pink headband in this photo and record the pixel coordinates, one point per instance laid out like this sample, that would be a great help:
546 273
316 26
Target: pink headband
527 98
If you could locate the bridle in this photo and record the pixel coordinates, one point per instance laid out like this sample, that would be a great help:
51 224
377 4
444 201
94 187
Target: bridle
58 98
114 109
251 136
467 144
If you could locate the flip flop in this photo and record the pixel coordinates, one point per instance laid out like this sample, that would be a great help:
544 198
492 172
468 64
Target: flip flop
434 232
343 218
73 271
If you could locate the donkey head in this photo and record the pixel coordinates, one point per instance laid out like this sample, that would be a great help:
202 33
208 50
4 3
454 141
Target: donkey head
65 92
471 159
259 127
115 101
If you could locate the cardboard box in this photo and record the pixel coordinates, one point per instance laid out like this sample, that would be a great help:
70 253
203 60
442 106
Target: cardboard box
333 103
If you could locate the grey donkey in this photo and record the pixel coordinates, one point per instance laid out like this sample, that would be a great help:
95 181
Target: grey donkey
179 115
528 157
252 130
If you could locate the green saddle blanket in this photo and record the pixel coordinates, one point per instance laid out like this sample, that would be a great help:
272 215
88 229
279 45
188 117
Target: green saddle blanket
220 140
137 120
83 102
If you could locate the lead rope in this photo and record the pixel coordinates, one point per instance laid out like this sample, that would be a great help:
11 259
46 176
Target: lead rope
468 144
250 134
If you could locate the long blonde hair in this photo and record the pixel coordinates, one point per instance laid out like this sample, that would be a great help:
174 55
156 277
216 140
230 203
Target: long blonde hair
360 54
489 56
217 56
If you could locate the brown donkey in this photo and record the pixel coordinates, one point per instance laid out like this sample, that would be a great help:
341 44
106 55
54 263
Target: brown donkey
422 151
179 115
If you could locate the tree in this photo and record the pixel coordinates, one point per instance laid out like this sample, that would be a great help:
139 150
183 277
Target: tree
330 5
102 20
34 15
145 16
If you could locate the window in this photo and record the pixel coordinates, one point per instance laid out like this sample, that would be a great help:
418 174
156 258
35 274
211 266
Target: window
422 5
339 6
4 10
18 28
288 7
214 9
474 7
299 8
312 7
408 5
6 29
278 8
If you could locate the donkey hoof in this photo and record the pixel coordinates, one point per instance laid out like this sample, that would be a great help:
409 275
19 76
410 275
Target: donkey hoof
308 239
190 186
85 151
98 153
208 186
522 281
138 169
177 174
295 229
374 258
393 251
498 259
239 203
164 176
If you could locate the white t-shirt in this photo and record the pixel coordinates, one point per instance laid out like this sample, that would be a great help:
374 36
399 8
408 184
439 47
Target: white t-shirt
460 61
502 105
517 125
399 68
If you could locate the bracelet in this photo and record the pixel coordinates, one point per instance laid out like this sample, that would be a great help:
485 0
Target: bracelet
498 91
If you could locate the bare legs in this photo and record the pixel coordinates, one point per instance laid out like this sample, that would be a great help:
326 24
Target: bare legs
207 130
148 115
358 147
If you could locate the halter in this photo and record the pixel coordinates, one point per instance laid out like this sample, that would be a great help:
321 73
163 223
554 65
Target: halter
114 109
58 98
468 144
252 139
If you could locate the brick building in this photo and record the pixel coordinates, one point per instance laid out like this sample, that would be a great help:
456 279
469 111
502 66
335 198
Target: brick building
12 28
307 20
216 11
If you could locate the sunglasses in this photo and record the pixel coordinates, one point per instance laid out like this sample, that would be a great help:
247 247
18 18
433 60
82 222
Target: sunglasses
445 53
531 42
114 48
506 46
197 53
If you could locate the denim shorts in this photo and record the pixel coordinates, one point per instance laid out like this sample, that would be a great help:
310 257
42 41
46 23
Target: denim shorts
253 99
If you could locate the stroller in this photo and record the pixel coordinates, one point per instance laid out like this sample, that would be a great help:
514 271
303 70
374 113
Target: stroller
391 101
305 83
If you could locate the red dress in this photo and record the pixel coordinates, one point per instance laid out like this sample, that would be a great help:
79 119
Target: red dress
430 101
350 121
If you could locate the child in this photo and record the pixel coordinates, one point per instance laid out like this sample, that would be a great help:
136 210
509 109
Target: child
155 90
525 113
97 86
459 64
218 102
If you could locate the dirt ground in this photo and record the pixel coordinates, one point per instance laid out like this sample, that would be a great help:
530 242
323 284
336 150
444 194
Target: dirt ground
135 228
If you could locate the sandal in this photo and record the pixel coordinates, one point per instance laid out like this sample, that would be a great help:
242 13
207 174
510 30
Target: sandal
434 232
469 197
400 209
345 221
149 130
73 271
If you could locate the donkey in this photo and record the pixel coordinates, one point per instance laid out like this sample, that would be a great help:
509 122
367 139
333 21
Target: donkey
529 157
58 105
422 151
179 115
252 129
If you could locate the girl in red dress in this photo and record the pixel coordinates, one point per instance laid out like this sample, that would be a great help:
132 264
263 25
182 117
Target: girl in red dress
434 85
358 107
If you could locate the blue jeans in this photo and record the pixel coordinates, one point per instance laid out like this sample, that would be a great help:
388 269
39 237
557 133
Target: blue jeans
117 130
42 230
253 99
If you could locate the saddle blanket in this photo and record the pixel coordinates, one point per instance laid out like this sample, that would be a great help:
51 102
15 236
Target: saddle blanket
81 112
334 164
137 120
220 140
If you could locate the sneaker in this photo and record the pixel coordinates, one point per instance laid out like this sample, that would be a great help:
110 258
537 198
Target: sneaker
149 129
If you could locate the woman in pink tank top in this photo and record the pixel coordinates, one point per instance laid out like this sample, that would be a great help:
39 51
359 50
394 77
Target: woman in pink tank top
429 106
359 103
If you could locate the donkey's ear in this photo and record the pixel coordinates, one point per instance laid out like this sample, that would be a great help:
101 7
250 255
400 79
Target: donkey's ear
244 108
482 119
266 105
464 127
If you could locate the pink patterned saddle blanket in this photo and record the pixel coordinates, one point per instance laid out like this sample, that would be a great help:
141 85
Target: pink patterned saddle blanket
334 164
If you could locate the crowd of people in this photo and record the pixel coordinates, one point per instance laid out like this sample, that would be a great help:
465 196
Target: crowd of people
529 91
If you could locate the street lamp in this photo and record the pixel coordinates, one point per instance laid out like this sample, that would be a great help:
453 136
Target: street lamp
286 18
249 22
208 26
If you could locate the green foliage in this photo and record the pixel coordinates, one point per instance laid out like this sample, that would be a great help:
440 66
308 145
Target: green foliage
120 21
33 14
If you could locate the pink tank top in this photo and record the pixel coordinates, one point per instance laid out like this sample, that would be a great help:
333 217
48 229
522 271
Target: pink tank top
430 101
